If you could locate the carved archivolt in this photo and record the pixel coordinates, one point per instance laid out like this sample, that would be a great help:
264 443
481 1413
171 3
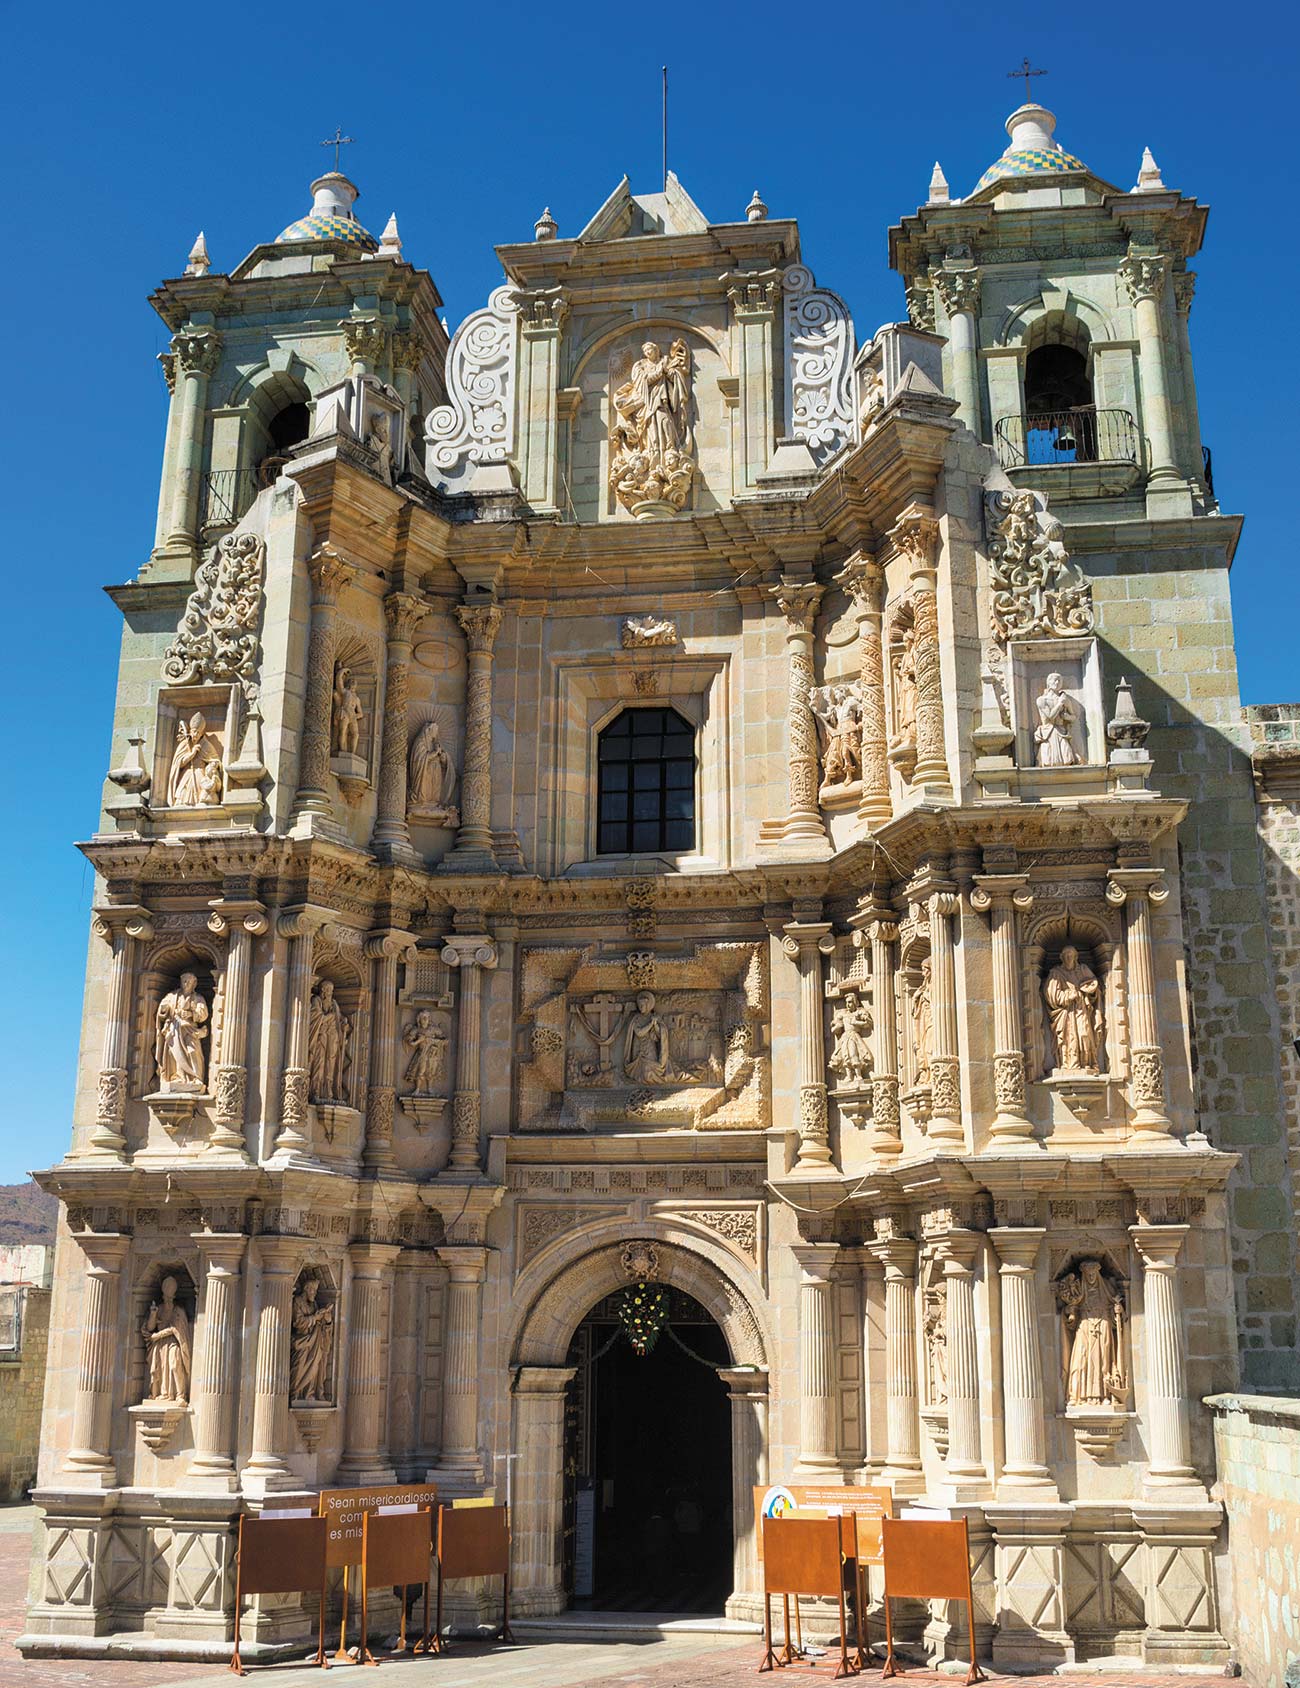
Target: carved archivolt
217 637
819 349
478 422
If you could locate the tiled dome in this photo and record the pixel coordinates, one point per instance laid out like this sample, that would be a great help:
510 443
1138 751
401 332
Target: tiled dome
1032 152
331 216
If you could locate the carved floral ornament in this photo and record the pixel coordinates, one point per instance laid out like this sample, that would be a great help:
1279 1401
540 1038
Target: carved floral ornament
1037 591
217 639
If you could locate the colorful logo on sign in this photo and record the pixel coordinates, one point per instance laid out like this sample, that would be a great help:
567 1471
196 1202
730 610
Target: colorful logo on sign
777 1502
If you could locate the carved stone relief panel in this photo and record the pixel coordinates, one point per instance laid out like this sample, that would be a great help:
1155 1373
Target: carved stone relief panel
901 688
197 734
838 710
1056 703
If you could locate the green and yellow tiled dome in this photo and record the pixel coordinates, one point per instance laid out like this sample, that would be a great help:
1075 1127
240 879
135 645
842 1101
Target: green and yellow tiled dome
331 216
1032 152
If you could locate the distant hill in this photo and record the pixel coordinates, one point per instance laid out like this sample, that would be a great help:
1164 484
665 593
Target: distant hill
27 1214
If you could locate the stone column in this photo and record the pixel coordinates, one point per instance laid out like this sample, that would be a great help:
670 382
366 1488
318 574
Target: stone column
863 580
366 339
329 575
957 1250
817 1438
409 352
480 624
537 1526
886 1125
541 318
469 955
162 525
798 602
267 1469
1135 889
385 949
1000 896
915 536
365 1454
121 928
300 930
1169 1437
212 1468
897 1254
1143 278
466 1268
959 288
945 1067
197 355
1024 1459
806 942
89 1463
391 838
1184 286
747 1389
239 924
755 297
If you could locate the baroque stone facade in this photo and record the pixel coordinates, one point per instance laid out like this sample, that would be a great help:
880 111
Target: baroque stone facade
906 1017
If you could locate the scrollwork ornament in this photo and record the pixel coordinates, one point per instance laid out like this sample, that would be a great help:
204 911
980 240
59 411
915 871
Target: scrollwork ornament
465 1117
1148 1077
110 1106
293 1110
812 1110
885 1105
1037 591
217 640
945 1088
478 423
1009 1083
819 348
231 1093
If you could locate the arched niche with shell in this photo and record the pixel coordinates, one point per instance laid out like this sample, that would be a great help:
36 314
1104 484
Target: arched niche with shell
165 962
1091 930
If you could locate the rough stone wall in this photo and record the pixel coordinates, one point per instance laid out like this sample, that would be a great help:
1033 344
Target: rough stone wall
1275 752
22 1389
1257 1439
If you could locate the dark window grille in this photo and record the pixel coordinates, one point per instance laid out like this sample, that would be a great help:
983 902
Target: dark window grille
646 783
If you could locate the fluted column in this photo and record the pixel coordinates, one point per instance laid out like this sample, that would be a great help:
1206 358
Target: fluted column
121 928
915 536
197 355
329 575
541 322
957 1250
385 949
897 1255
1024 1459
239 924
392 836
1135 889
469 955
213 1393
863 580
466 1267
1001 896
747 1390
816 1356
365 1455
1168 1433
798 601
806 942
945 1067
89 1463
886 1124
1143 276
480 624
959 288
300 930
267 1468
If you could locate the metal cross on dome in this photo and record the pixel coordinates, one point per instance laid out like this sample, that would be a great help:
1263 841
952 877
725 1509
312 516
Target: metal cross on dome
339 139
1024 71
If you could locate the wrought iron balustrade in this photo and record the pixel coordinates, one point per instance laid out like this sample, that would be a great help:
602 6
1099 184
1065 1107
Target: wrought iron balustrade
227 494
1046 438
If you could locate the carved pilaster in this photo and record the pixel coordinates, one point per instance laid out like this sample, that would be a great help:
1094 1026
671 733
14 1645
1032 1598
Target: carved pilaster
1168 1432
886 1121
466 1268
89 1463
197 355
897 1254
1143 276
945 1124
798 602
469 955
957 1250
329 575
365 1457
863 580
392 836
121 928
915 537
239 923
300 929
816 1356
385 949
959 290
1024 1460
1135 890
267 1468
213 1465
480 624
806 942
1000 896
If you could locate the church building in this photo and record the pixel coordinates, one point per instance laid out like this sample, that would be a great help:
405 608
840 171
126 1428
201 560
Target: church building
679 906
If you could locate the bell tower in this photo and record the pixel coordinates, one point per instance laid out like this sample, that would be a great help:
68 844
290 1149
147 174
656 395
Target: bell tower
1065 302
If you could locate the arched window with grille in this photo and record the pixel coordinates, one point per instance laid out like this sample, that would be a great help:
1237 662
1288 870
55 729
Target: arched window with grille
646 783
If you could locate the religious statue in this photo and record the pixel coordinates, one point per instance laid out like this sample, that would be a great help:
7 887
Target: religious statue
936 1346
1073 997
348 713
377 440
922 1011
210 785
839 714
1055 745
646 1055
328 1033
166 1334
311 1345
1093 1309
180 1026
905 689
428 1046
851 1040
431 776
195 749
651 445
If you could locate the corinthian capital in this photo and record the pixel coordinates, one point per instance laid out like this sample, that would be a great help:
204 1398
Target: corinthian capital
915 535
959 289
329 574
408 349
479 623
365 338
861 579
798 601
404 611
1143 275
197 353
542 310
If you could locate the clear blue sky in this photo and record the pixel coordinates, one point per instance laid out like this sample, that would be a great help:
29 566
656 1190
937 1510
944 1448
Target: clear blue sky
126 133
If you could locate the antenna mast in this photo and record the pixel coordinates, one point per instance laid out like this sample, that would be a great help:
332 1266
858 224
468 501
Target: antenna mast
665 127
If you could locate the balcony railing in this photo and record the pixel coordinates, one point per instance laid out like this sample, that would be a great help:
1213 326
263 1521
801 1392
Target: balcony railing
227 494
1048 438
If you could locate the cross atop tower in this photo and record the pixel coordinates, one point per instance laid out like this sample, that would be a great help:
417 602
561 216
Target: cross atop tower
339 139
1024 70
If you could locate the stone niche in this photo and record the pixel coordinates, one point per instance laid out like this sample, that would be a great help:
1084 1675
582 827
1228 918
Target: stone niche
642 1039
1071 752
198 728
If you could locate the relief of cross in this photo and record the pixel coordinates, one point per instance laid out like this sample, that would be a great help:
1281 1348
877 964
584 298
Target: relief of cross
607 1012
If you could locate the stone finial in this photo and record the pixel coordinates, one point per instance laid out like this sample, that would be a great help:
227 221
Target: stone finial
390 242
939 194
1126 730
1149 175
755 211
546 227
198 262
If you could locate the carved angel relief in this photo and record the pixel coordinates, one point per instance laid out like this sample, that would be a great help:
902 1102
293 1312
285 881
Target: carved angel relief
838 709
651 443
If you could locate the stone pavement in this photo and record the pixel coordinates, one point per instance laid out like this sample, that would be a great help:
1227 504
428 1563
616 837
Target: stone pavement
673 1660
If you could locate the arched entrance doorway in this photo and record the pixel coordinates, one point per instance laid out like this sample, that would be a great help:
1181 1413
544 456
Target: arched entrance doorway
647 1463
555 1294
